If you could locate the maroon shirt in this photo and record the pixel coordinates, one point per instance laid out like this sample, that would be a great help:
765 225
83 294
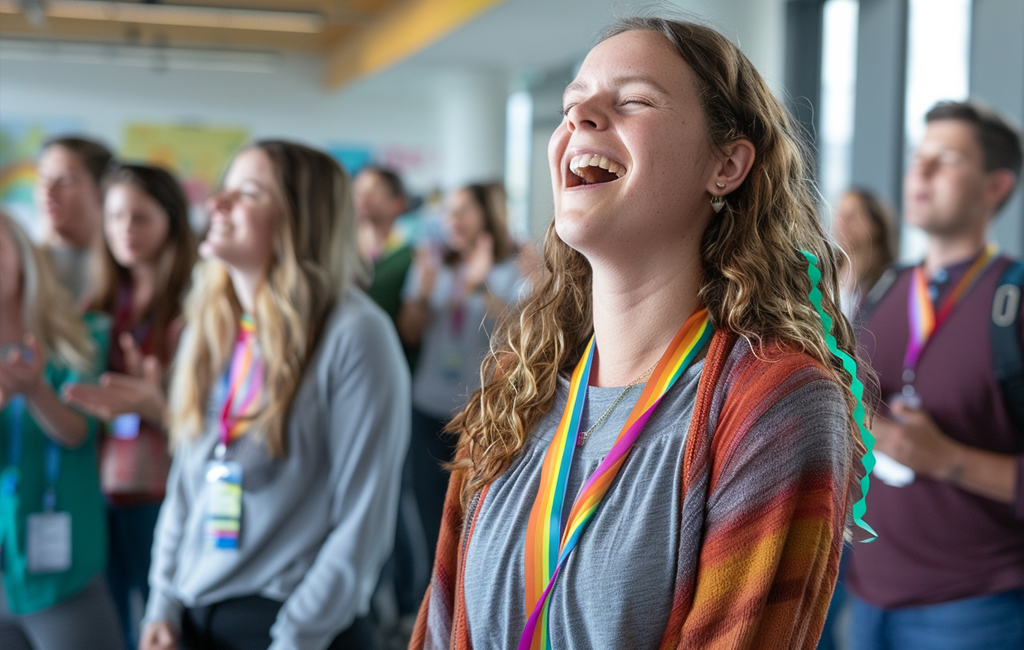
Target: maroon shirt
936 542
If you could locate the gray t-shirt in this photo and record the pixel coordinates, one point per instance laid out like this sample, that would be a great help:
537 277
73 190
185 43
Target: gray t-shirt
317 525
74 270
456 342
598 602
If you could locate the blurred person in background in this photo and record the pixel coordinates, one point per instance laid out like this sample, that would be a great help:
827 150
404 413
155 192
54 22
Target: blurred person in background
70 199
947 496
146 265
380 199
673 356
289 419
52 525
864 228
456 290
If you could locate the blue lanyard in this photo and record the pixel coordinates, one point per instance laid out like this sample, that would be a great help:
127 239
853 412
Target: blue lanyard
52 463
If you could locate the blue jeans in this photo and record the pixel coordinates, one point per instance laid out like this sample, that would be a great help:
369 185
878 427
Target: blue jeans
983 623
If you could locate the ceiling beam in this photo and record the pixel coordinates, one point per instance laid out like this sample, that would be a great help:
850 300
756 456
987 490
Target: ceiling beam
400 32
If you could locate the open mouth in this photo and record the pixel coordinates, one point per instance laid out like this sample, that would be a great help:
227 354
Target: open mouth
593 169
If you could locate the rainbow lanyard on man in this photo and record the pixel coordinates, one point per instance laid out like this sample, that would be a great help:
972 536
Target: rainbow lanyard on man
546 546
924 321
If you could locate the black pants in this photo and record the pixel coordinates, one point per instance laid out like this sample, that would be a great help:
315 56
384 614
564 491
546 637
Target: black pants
244 624
429 448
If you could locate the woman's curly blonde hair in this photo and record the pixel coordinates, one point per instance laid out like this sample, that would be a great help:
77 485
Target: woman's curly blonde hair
755 276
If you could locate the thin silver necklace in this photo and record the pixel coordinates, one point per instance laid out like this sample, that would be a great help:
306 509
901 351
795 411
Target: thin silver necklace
604 416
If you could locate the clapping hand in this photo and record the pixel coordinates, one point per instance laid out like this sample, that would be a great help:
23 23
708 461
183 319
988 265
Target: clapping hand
138 390
21 369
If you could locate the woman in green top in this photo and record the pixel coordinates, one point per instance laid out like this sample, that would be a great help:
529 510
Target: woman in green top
52 526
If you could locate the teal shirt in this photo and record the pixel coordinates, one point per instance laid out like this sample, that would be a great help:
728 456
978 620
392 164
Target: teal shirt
78 493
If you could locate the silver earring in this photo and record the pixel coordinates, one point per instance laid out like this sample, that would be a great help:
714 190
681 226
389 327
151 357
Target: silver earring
720 185
717 203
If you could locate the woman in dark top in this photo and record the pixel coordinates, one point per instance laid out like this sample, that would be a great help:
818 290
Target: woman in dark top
148 257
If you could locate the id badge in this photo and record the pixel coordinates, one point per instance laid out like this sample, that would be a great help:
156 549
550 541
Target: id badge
125 427
224 505
49 542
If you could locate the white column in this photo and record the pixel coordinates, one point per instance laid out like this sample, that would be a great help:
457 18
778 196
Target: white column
471 115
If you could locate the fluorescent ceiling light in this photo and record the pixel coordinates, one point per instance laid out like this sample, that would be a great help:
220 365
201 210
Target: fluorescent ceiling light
140 56
183 16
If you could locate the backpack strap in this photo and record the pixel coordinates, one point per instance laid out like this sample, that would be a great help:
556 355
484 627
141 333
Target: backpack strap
879 290
1007 352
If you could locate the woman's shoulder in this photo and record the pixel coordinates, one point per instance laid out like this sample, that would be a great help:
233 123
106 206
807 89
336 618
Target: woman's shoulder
357 319
756 371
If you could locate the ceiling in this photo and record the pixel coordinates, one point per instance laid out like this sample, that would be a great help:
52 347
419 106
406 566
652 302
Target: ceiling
355 37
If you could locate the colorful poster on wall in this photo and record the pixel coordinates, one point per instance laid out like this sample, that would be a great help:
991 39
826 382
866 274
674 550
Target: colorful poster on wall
19 146
199 155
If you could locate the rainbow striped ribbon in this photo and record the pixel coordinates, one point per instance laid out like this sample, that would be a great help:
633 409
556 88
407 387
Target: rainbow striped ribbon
923 320
547 547
244 381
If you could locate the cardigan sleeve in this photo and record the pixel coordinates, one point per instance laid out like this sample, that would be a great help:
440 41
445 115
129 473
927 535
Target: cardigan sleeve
775 512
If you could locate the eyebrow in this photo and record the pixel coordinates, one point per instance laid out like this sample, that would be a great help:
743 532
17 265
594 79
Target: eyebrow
578 85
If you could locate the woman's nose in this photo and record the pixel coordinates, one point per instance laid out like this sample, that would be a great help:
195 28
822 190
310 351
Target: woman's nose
585 115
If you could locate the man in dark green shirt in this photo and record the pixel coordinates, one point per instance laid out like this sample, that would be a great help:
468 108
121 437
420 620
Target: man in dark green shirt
380 199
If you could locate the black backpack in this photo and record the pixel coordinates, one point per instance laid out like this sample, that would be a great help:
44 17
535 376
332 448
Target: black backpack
1007 348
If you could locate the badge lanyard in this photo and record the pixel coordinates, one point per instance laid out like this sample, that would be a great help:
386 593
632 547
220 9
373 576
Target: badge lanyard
244 378
546 546
925 321
53 456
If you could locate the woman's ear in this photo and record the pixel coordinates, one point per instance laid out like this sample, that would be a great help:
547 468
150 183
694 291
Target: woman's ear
731 168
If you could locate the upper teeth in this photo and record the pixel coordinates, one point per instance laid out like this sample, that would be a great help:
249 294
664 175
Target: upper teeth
594 160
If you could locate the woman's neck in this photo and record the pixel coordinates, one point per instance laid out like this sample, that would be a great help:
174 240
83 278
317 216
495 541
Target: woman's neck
637 312
12 326
245 283
143 278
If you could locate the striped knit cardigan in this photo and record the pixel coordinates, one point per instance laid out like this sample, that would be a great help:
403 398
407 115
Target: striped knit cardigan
758 574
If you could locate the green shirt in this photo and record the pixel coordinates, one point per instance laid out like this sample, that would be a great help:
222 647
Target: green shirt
386 290
78 493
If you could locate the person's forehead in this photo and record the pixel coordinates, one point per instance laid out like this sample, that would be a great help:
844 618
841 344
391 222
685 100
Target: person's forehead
955 135
58 158
636 56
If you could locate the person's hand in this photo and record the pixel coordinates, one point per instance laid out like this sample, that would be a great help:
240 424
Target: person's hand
480 261
913 439
158 635
427 265
119 393
21 370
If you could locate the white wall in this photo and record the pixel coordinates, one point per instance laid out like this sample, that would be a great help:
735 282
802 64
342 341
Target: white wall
287 102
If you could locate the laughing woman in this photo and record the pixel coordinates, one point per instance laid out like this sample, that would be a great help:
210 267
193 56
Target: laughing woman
289 418
661 451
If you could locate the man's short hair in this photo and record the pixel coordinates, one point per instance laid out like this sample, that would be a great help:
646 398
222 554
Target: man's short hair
390 178
999 139
95 157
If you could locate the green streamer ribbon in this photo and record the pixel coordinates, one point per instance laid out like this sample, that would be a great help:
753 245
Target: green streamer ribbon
856 387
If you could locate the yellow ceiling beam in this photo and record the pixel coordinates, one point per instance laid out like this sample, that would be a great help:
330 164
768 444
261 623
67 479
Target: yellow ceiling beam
407 28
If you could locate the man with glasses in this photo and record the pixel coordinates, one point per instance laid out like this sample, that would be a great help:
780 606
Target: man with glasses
947 569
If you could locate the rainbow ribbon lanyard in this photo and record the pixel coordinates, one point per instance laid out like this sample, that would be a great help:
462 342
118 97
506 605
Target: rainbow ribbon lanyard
546 546
924 321
245 377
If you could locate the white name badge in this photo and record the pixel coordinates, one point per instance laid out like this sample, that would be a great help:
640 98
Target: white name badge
49 542
891 472
125 427
224 507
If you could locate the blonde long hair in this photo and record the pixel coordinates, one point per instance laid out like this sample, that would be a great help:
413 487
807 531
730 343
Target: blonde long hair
315 262
47 309
755 277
